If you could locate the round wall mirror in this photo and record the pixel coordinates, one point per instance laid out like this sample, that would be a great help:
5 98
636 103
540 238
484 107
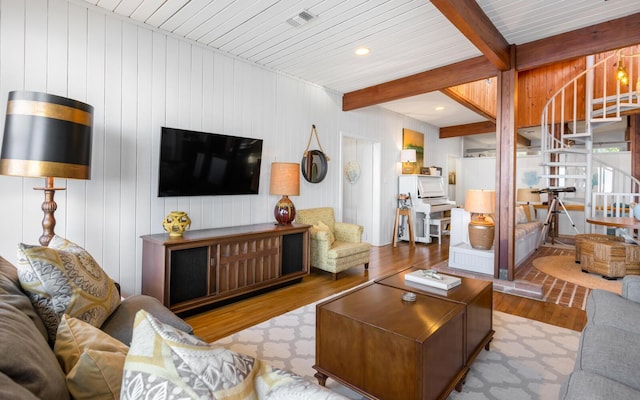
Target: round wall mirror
314 166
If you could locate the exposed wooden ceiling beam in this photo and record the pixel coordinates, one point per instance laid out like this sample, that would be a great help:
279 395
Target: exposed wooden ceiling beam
423 82
470 105
610 35
475 129
473 23
467 129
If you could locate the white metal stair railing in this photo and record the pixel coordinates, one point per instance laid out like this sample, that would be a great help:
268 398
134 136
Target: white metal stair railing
567 143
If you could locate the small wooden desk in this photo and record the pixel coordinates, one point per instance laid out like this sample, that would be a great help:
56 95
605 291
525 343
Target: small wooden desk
620 223
616 222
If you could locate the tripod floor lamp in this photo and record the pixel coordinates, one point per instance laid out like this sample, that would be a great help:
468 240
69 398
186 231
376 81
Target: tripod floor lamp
46 136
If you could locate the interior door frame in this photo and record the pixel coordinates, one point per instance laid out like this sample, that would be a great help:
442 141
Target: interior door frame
375 185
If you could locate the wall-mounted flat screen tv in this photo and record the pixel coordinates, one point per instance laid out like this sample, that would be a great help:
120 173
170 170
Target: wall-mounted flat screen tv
207 164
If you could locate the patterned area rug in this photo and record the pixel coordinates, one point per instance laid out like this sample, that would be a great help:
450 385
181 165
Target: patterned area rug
527 360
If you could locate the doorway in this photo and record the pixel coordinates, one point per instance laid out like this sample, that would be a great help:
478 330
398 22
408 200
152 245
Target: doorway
360 163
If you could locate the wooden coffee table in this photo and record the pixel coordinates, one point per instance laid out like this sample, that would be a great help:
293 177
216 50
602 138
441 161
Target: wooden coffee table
477 297
372 341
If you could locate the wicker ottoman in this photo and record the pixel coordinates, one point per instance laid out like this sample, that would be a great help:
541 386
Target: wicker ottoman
593 237
611 259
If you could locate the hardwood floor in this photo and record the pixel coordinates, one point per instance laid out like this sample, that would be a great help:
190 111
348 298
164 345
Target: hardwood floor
225 320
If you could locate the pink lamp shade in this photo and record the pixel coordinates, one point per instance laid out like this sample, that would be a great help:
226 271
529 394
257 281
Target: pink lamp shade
285 181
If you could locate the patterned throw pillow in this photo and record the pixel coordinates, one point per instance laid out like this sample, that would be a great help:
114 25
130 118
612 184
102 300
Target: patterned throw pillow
64 278
164 362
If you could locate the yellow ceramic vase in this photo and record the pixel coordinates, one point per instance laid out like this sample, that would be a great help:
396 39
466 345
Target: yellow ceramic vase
176 223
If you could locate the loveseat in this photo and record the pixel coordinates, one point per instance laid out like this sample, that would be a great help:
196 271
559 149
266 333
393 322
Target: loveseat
140 350
608 360
462 256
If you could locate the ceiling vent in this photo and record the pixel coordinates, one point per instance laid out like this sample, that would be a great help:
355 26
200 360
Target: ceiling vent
301 19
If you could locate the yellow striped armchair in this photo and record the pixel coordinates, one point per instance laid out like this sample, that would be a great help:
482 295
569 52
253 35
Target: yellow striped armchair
335 246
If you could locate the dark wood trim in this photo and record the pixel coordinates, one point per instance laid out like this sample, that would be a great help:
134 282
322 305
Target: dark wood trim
504 245
469 104
473 23
610 35
424 82
633 129
467 129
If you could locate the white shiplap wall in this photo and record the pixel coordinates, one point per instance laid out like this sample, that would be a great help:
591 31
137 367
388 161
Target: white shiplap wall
139 80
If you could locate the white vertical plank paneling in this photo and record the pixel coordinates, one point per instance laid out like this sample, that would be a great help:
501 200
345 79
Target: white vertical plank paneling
158 100
76 89
139 80
35 60
12 71
112 147
95 221
128 151
143 150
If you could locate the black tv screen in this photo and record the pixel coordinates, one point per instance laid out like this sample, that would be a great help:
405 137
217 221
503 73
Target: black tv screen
207 164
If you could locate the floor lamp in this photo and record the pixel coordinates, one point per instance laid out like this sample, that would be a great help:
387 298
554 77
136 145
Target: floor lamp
46 136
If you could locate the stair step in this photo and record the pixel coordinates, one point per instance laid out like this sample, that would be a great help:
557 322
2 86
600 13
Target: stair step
567 150
577 135
563 164
563 176
612 98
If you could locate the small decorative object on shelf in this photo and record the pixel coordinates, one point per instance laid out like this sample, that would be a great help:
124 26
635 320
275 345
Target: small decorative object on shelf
176 223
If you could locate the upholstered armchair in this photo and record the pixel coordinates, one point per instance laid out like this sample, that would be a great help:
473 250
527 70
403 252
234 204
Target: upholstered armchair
335 246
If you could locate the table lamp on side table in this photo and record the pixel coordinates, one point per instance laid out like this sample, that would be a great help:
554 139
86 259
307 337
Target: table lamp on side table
285 181
47 136
481 228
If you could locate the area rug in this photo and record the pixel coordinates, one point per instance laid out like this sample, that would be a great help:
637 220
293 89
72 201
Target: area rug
527 359
566 269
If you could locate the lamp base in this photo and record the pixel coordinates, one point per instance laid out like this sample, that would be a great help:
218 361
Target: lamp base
481 234
285 212
407 168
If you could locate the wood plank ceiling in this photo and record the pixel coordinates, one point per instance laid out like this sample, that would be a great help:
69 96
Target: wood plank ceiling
405 37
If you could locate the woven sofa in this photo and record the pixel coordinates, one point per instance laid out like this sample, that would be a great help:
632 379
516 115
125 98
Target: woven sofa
140 350
608 358
335 246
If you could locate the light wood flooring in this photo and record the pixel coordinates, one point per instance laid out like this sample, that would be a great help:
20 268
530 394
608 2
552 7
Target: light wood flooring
225 320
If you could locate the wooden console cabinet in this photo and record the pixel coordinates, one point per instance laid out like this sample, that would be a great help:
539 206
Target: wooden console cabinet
207 266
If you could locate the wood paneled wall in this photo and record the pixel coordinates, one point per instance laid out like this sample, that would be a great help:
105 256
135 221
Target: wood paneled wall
139 80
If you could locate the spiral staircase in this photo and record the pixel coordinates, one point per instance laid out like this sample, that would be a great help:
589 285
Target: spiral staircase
568 134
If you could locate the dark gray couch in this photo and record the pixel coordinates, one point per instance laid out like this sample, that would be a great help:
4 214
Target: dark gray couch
608 360
28 366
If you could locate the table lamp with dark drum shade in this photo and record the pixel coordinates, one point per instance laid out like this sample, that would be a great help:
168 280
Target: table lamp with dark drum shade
46 136
481 228
285 181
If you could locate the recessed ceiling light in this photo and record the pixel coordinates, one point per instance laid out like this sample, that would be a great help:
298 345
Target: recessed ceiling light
362 51
439 108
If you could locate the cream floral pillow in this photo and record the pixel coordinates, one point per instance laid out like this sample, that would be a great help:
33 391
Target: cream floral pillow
64 278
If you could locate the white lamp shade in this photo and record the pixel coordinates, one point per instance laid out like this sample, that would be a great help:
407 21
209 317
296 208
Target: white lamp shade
408 155
480 201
